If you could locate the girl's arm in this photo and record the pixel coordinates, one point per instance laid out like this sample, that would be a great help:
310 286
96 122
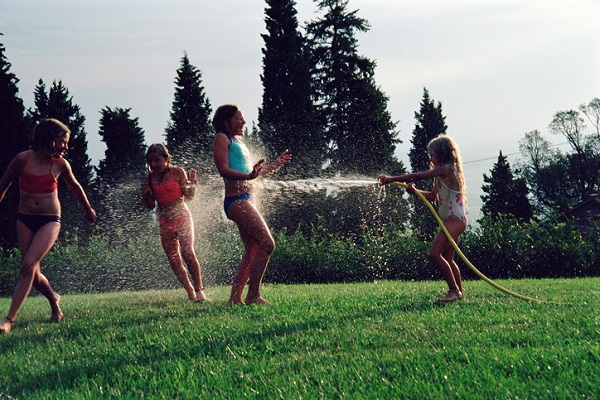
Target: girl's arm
283 158
416 176
188 182
147 195
431 196
77 190
11 173
221 157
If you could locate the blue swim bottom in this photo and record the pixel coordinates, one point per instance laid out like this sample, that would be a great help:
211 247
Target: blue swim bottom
231 200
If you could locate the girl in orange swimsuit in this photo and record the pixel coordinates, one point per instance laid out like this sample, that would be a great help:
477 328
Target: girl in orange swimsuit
38 221
168 186
449 191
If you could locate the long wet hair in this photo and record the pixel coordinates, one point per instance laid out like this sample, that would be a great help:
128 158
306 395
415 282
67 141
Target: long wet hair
46 132
223 115
447 152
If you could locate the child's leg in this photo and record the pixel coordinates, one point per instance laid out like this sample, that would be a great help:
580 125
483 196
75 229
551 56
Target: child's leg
186 240
33 248
258 240
242 272
449 257
440 246
170 245
42 285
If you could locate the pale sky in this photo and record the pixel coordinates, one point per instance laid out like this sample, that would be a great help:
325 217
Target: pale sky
501 68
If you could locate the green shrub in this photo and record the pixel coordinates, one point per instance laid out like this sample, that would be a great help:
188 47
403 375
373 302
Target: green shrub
508 249
555 250
11 261
315 255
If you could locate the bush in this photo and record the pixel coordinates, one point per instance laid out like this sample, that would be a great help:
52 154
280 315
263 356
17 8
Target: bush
505 249
508 249
11 260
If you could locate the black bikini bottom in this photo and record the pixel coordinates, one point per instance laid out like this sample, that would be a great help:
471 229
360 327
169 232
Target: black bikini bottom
35 222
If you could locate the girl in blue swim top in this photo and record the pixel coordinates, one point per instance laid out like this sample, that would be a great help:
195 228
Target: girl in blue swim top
234 164
449 191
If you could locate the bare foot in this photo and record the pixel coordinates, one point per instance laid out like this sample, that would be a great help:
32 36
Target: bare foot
6 325
57 314
231 303
257 300
200 296
451 296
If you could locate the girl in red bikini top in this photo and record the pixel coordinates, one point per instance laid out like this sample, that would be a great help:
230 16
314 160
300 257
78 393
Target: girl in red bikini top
166 192
168 186
37 184
38 220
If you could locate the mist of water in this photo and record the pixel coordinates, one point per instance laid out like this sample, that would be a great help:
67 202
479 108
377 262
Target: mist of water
134 259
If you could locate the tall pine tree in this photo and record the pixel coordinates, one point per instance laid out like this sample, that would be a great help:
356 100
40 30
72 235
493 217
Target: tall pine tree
125 154
120 174
359 131
430 123
287 119
505 196
15 134
189 134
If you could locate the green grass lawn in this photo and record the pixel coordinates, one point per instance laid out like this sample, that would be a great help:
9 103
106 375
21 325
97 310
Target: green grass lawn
381 340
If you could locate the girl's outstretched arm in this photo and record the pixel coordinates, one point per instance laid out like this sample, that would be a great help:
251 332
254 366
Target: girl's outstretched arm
283 158
416 176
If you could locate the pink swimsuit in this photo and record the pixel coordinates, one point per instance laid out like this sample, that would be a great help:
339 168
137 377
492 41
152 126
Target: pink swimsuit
167 192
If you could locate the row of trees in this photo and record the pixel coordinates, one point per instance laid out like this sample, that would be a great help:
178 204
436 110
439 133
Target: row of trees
320 99
547 182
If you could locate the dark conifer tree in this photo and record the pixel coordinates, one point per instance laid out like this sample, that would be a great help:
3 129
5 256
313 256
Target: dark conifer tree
125 154
369 139
505 195
15 135
430 123
189 134
120 174
287 118
345 94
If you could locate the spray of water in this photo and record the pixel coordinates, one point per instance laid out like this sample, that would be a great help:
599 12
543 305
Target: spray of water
330 185
132 257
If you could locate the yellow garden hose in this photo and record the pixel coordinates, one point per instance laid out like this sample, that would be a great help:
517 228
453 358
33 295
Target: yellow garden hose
459 252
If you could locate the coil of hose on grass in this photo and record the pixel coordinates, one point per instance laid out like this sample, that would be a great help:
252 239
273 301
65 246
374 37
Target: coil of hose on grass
460 253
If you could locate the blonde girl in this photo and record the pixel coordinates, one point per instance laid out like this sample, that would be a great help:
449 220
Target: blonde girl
449 191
